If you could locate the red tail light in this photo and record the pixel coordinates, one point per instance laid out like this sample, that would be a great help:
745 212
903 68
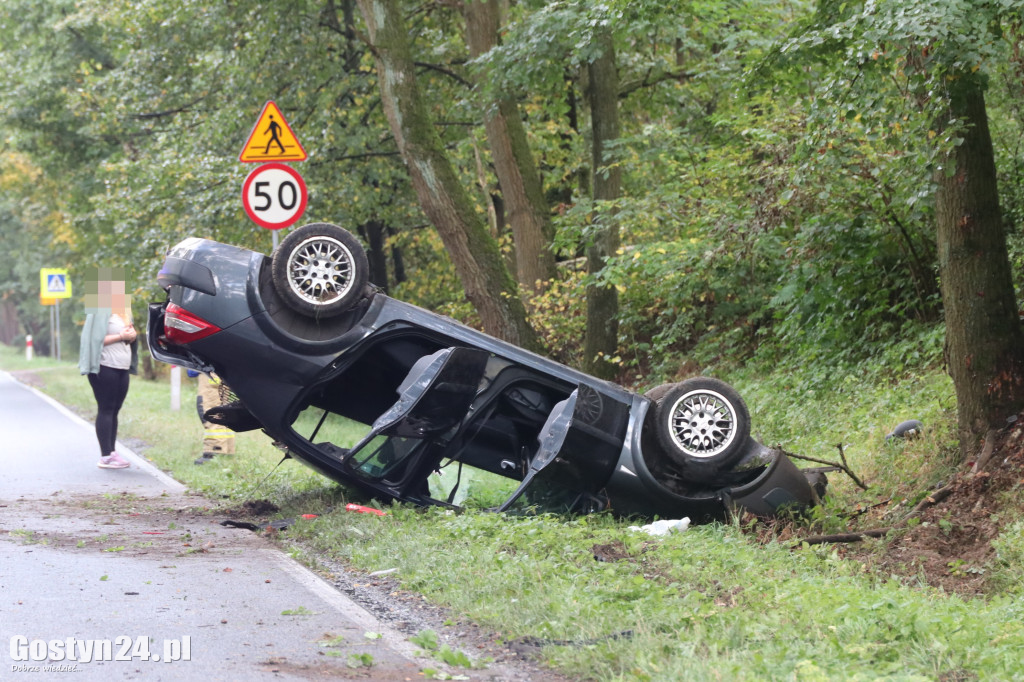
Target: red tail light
181 326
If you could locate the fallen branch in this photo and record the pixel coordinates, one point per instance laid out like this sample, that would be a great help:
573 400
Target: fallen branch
865 510
843 537
842 466
936 497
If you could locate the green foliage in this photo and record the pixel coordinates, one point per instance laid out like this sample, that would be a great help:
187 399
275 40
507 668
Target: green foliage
1009 547
435 284
813 403
559 315
425 639
34 236
361 660
157 99
777 159
696 291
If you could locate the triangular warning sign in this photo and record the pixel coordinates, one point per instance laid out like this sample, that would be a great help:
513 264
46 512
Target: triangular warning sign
272 139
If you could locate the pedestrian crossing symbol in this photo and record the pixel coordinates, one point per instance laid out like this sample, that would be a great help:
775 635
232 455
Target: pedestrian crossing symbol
54 283
272 139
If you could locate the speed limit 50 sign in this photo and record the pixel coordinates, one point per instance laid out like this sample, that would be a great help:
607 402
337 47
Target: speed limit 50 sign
274 196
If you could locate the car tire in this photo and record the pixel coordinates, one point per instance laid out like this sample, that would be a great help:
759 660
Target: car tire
703 425
320 270
658 392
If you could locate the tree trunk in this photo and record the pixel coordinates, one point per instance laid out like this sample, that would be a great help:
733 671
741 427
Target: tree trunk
397 261
602 334
984 344
374 232
8 320
525 206
475 254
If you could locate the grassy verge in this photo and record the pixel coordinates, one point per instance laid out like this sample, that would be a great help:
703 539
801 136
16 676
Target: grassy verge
710 603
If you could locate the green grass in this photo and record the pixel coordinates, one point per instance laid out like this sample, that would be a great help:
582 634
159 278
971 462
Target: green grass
855 411
708 604
705 604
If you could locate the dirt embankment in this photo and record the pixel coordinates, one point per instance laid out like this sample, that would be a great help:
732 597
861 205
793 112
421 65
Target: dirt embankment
945 539
951 544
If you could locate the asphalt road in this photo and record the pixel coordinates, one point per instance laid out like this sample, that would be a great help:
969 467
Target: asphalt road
89 556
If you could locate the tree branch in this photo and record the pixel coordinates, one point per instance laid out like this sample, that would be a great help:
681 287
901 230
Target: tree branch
169 112
936 497
651 78
844 467
446 71
842 537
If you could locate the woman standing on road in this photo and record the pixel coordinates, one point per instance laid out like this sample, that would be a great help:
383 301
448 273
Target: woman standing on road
109 352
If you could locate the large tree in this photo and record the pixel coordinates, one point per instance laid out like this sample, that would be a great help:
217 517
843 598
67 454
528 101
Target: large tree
518 178
487 282
602 338
984 341
941 53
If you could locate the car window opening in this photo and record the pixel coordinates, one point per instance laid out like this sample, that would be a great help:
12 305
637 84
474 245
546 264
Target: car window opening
428 427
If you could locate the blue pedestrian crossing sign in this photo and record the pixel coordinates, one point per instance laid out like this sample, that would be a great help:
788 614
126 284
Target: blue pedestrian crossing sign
54 283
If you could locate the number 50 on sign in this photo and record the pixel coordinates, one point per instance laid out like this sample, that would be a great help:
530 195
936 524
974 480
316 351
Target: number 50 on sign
274 196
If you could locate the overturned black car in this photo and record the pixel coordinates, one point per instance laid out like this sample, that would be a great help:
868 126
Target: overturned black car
303 341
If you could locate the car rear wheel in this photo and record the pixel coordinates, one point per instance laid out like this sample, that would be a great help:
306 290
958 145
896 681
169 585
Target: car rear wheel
320 270
703 425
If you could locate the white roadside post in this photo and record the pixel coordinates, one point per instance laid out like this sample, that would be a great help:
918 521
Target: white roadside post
175 388
28 347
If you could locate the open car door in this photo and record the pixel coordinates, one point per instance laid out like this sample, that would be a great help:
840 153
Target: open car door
433 401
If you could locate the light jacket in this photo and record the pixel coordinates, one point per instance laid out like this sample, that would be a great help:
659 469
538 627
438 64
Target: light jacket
93 333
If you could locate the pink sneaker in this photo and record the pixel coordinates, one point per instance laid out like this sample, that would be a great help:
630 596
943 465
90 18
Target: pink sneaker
113 461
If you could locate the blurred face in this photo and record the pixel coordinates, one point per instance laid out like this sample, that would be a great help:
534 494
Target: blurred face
105 289
111 294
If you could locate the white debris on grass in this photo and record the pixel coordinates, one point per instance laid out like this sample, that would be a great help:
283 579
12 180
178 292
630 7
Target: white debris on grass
664 526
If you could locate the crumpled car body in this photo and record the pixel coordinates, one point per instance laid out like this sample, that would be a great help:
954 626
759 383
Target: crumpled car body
433 394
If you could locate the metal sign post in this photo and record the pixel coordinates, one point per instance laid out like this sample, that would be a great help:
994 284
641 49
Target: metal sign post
56 341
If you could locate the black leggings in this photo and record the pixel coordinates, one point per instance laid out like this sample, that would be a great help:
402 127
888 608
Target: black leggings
110 387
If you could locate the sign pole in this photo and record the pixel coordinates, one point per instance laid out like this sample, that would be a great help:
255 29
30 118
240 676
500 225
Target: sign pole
54 285
56 310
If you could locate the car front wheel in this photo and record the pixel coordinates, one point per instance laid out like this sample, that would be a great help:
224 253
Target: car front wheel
703 425
320 270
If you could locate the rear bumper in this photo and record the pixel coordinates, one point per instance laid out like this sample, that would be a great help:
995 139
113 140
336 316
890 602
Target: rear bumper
165 351
780 485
